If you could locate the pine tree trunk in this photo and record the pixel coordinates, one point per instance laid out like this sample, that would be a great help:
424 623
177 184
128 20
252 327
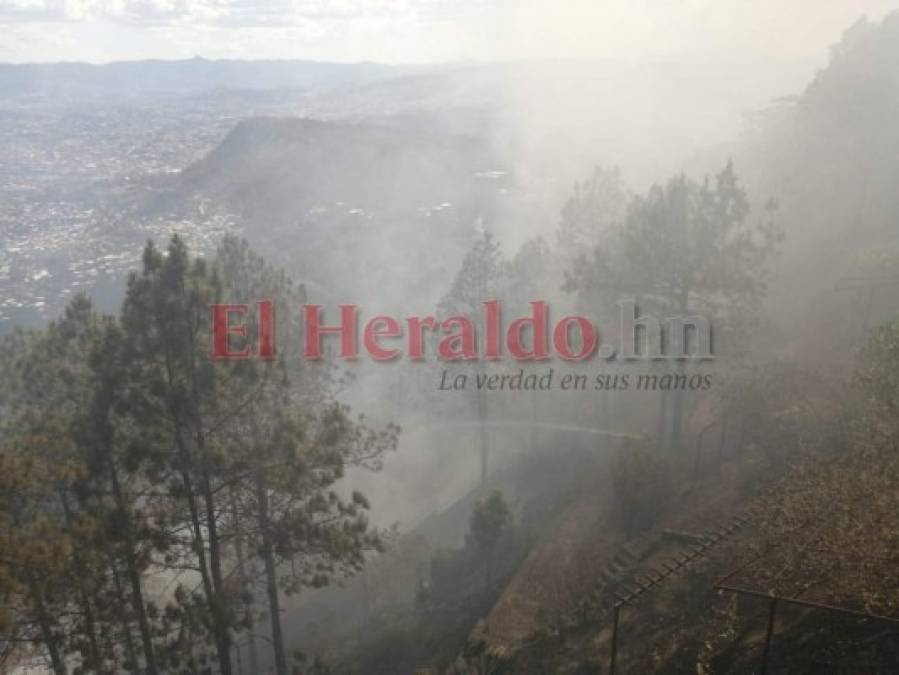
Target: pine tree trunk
224 655
216 595
91 628
143 622
56 661
605 410
484 440
86 601
134 576
245 589
219 630
678 408
130 649
271 580
223 635
186 463
662 427
677 412
366 596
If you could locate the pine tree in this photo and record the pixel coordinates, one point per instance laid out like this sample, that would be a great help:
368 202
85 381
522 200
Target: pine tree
114 460
290 443
44 390
685 247
487 523
480 278
125 451
165 318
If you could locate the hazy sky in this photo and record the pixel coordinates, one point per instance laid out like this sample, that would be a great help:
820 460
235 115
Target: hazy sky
426 30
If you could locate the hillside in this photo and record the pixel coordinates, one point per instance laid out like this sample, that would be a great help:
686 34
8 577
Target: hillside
325 196
829 156
276 169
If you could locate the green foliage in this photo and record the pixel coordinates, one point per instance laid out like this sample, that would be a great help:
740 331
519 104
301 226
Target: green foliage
126 453
488 520
684 245
479 278
597 205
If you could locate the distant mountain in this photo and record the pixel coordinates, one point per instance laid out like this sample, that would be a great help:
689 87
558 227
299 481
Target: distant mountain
323 198
402 157
272 169
136 78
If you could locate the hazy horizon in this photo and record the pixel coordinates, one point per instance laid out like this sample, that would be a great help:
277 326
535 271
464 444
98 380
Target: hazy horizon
432 32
